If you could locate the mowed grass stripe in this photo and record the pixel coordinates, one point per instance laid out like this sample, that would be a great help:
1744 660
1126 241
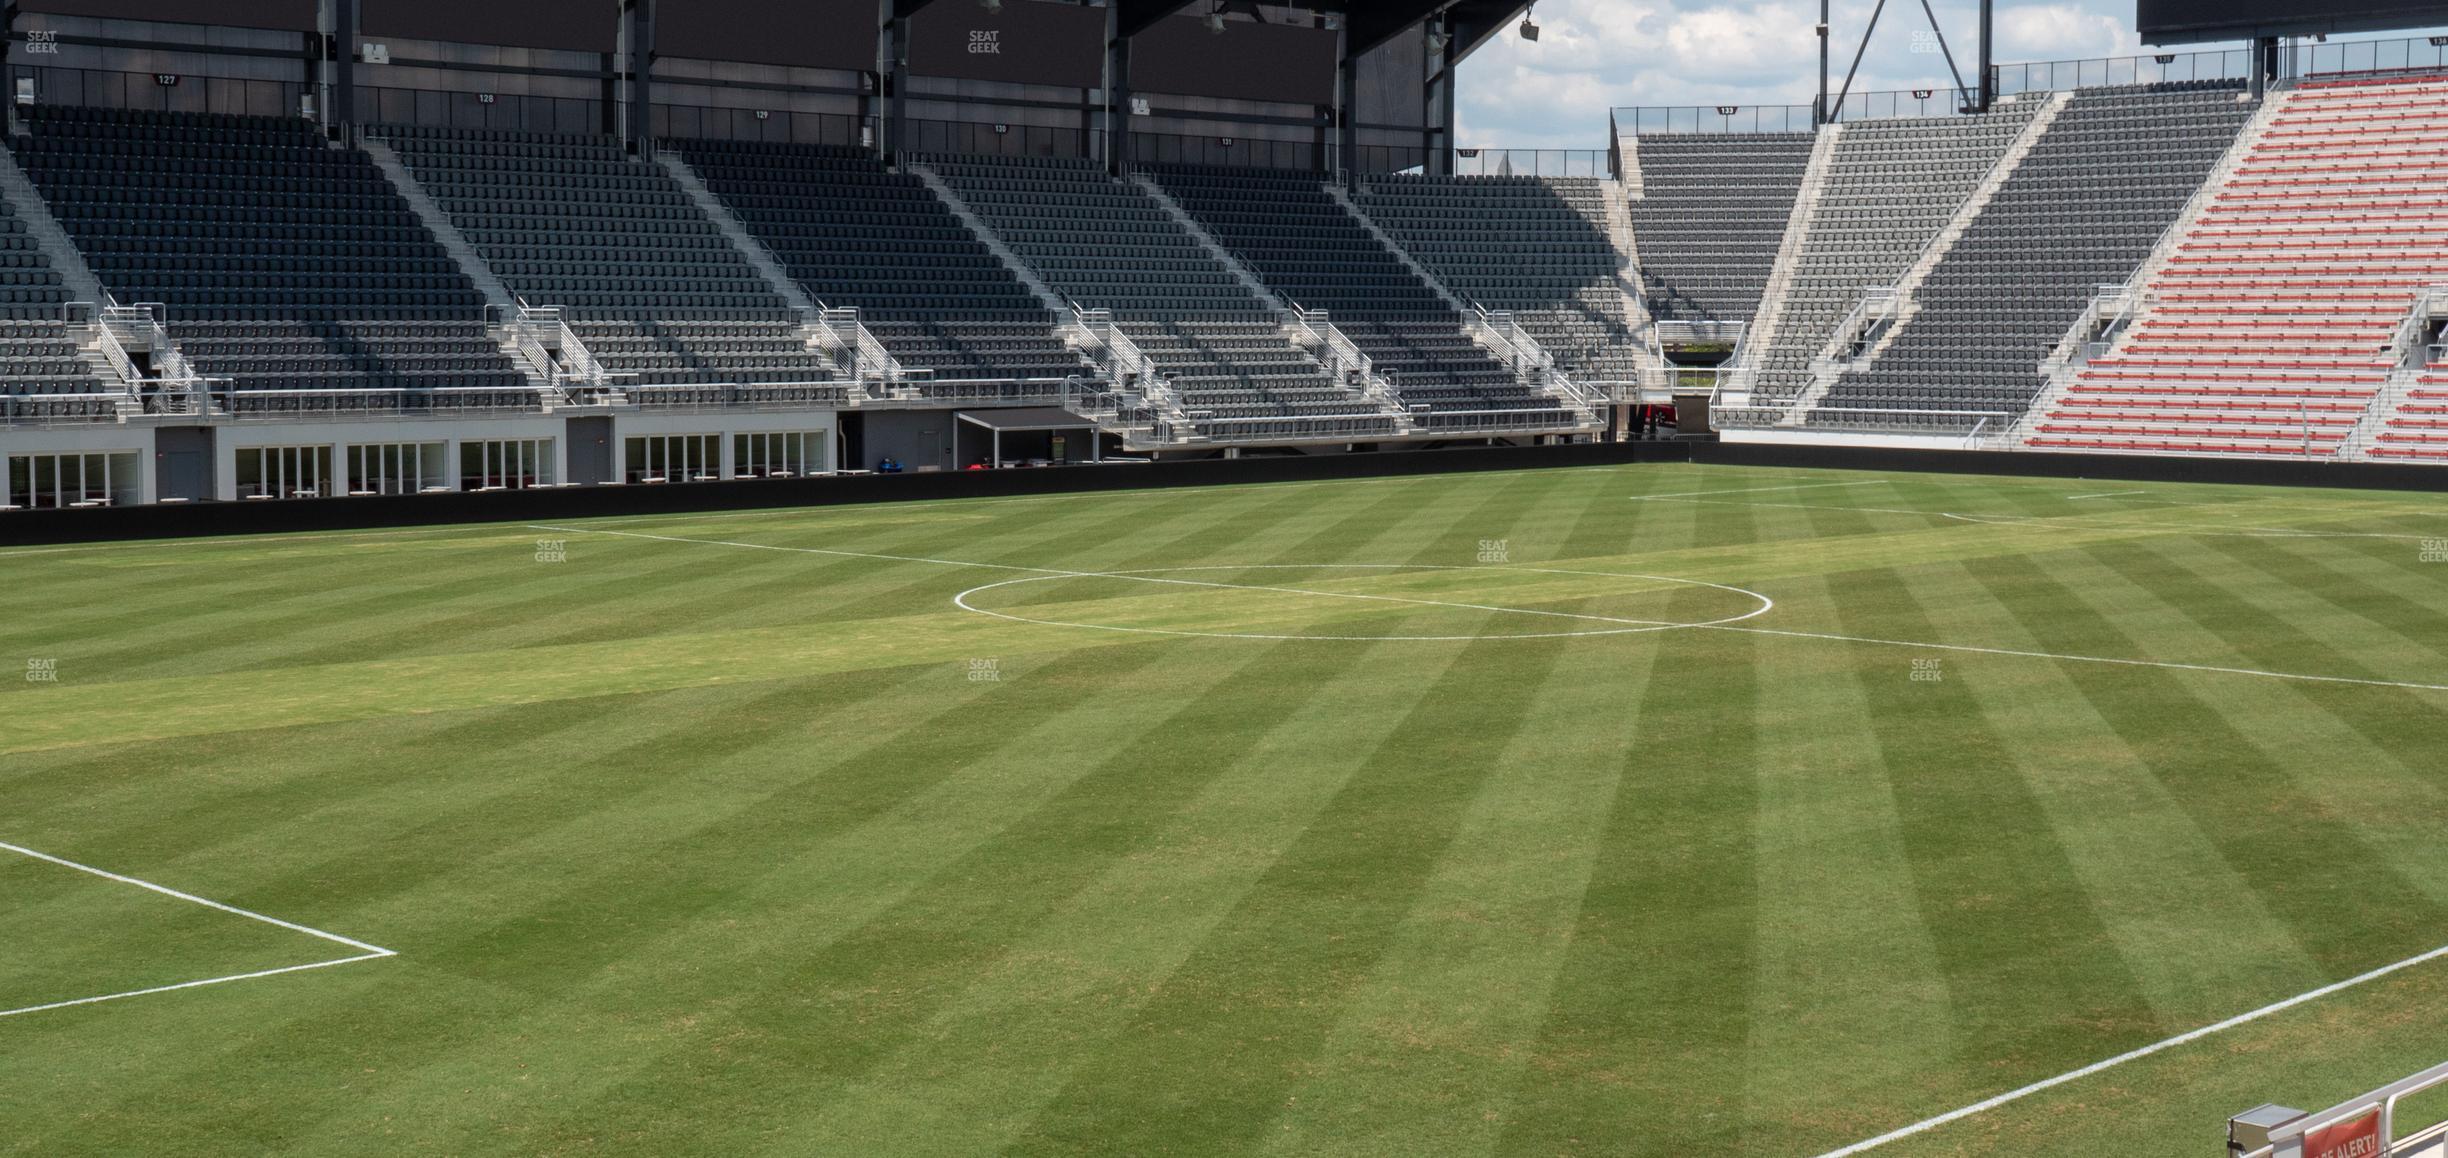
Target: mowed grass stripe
2194 933
690 912
841 1006
245 785
1044 1009
1049 528
1210 1058
1651 1009
1592 1049
621 907
1850 1005
1424 1056
2342 904
1045 973
2034 979
199 635
569 865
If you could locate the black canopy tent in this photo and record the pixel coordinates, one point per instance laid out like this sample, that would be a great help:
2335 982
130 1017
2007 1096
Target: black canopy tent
1049 421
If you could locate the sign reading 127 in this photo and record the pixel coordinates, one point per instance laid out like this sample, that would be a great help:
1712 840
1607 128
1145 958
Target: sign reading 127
2352 1138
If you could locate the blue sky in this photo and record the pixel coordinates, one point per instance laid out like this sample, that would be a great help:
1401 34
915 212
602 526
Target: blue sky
1593 54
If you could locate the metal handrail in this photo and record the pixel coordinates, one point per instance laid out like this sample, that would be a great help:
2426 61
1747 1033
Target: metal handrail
2383 1100
870 359
1532 360
1430 421
113 352
1341 356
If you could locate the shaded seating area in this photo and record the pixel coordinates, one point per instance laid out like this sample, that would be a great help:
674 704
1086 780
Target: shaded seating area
645 280
1536 247
1308 249
854 233
285 264
1105 244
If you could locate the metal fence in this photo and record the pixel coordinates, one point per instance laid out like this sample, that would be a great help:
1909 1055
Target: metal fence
514 112
1655 120
1530 163
2163 68
1186 149
2366 56
164 91
2231 64
998 139
701 122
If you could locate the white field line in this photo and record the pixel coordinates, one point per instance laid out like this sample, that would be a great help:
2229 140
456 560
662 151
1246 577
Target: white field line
2109 495
1955 647
366 952
1638 625
1060 573
2131 1055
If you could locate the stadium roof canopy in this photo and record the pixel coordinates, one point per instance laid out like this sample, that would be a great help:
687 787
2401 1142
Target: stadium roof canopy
1372 22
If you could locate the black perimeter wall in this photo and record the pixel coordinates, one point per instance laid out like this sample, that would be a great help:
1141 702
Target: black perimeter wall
19 528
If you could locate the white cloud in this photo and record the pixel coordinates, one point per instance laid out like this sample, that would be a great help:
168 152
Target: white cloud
1595 54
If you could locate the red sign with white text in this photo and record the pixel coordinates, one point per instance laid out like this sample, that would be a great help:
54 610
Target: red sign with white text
2352 1138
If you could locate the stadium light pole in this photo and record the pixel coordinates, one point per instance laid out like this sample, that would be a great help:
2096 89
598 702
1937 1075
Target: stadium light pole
1819 111
1988 55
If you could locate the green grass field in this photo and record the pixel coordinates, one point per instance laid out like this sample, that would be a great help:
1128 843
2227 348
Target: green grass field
1389 817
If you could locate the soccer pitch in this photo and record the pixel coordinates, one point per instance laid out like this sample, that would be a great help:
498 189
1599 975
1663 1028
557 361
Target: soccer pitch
1642 810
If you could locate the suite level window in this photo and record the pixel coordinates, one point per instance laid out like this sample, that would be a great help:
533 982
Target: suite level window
397 468
50 481
664 458
506 464
783 455
284 472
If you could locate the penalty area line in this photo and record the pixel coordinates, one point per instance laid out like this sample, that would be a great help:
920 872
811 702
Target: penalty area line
2193 1035
365 952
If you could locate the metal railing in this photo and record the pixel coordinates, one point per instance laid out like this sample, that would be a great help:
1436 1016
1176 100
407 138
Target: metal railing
2382 1104
1535 366
2297 59
1123 360
226 399
60 409
870 361
1979 426
1858 332
739 395
2108 72
674 121
1264 153
535 353
1427 420
185 92
1038 391
1681 333
1298 428
113 352
1487 162
999 139
1314 330
1660 120
2395 54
